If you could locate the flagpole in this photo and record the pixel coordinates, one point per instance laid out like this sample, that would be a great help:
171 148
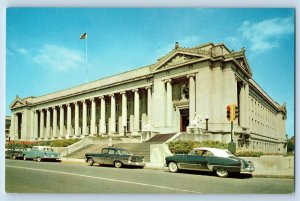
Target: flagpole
86 61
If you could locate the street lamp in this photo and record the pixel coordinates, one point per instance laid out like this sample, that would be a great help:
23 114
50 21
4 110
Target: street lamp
206 121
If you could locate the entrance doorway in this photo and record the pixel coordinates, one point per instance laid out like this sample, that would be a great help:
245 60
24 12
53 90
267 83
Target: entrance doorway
184 119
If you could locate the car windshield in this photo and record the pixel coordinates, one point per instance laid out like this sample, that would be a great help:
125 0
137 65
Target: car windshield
223 153
48 149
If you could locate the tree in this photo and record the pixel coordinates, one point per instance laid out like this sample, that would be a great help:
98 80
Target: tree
291 144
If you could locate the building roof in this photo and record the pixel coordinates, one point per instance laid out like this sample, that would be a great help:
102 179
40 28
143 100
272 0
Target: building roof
204 51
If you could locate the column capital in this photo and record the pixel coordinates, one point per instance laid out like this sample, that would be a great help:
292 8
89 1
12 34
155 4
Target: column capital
135 90
60 106
123 92
168 81
41 110
190 75
68 104
75 103
53 107
92 99
111 95
101 97
83 101
148 87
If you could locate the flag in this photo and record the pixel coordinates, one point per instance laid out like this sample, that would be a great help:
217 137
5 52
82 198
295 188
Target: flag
83 36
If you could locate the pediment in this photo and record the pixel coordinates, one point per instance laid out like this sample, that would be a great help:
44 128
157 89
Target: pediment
244 64
175 59
18 102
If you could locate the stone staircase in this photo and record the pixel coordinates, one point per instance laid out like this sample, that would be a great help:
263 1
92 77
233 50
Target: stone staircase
161 138
140 149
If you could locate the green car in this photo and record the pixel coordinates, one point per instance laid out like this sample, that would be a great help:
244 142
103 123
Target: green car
220 161
40 153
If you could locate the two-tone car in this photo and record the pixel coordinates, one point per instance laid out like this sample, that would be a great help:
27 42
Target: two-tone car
40 153
115 156
14 153
220 161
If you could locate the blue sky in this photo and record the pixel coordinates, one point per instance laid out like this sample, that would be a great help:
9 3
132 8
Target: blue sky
44 53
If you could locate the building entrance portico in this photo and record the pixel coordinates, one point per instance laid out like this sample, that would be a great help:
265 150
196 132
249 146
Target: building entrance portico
184 119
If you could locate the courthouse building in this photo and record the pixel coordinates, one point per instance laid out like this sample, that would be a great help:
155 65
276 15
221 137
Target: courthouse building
185 85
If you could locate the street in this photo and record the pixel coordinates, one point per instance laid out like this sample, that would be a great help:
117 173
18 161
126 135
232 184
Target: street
55 177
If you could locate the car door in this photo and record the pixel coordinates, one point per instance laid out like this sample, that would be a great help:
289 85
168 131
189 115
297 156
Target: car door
110 157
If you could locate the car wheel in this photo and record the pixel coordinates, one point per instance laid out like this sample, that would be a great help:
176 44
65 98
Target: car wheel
173 167
38 159
222 173
118 164
90 161
13 157
24 157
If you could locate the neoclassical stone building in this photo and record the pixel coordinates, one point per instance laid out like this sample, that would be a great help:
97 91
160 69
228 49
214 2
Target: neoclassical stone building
185 85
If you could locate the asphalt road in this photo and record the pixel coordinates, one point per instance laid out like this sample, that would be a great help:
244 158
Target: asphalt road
55 177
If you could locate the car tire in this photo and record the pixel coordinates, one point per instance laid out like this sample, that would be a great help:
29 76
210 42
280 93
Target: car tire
221 172
118 164
13 157
38 159
24 157
90 161
173 167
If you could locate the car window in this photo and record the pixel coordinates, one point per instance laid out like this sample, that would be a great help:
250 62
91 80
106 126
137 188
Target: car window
111 151
104 151
124 152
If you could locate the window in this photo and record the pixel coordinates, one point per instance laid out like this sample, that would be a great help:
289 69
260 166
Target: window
104 151
111 151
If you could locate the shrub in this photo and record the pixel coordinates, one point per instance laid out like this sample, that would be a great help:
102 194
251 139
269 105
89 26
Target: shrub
30 144
63 143
184 147
249 153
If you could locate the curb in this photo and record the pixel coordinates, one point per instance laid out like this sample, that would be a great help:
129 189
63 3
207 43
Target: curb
160 167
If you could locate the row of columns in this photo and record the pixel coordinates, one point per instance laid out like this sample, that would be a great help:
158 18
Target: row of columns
93 116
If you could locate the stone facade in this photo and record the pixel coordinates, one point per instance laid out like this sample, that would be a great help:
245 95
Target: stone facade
186 85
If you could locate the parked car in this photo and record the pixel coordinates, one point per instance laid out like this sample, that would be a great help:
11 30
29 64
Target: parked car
14 153
220 161
115 156
40 153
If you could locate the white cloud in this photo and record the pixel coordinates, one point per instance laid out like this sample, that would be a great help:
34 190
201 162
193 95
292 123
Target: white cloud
22 51
59 58
266 34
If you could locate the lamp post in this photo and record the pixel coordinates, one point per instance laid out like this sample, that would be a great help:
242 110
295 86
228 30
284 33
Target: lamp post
206 122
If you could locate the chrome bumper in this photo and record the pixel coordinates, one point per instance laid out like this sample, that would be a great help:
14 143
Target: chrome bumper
250 168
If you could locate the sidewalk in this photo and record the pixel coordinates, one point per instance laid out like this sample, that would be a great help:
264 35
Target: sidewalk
263 173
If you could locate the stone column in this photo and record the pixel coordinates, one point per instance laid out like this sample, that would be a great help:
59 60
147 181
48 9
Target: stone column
93 117
112 114
242 106
84 118
42 124
61 121
192 96
48 134
76 119
102 118
54 122
69 117
149 103
136 122
36 122
169 102
124 109
16 136
247 113
12 126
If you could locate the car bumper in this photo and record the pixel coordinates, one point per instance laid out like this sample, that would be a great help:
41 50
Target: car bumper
141 164
248 169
